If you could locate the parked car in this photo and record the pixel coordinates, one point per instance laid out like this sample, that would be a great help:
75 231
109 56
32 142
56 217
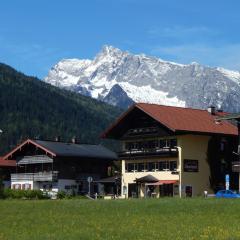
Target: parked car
227 194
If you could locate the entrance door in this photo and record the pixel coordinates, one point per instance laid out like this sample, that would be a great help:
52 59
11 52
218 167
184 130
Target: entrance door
132 190
188 191
166 190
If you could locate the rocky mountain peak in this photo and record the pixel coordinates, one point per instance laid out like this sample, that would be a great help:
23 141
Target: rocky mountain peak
120 78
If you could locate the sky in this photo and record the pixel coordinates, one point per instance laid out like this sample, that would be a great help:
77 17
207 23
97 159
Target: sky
35 35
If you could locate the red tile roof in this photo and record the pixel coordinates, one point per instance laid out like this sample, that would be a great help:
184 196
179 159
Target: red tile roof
184 119
7 163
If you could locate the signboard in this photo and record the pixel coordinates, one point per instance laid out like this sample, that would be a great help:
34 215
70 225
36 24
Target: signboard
227 181
89 179
190 165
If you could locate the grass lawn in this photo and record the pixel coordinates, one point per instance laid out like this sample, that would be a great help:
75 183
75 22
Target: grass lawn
120 219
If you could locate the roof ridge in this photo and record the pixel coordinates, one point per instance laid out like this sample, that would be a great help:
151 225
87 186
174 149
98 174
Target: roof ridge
52 141
161 105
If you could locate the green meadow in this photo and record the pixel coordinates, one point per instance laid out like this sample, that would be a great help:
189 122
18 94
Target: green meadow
120 219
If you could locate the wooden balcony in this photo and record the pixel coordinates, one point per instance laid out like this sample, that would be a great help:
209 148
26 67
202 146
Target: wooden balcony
36 177
153 152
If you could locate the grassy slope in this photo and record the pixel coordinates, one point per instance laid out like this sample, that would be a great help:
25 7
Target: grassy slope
123 219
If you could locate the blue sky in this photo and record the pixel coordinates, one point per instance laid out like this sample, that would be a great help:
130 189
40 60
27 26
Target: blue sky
34 35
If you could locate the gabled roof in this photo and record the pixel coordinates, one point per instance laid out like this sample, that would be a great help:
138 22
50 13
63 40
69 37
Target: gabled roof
28 141
7 163
178 119
77 150
62 149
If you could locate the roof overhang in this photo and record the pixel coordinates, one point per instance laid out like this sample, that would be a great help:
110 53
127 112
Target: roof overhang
7 163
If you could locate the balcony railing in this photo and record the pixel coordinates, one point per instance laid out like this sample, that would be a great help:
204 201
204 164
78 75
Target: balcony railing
37 177
141 153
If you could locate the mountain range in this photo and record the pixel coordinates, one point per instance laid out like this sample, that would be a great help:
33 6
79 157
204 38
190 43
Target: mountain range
121 78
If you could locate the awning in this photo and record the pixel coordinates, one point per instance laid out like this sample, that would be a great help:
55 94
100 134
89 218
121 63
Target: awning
161 182
146 179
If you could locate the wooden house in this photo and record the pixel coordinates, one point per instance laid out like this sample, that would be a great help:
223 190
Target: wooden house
56 166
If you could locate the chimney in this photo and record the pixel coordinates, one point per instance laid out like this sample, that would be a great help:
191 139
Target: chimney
57 139
212 110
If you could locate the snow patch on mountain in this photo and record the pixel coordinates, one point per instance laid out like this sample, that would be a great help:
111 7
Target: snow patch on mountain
150 95
234 75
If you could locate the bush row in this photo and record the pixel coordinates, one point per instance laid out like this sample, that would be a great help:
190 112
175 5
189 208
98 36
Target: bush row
22 194
72 195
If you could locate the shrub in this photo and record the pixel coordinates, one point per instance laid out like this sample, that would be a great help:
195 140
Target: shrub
61 195
23 194
1 189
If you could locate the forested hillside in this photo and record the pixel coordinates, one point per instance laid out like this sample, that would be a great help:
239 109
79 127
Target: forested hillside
31 108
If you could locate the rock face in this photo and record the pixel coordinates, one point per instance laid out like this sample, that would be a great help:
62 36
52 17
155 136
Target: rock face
121 78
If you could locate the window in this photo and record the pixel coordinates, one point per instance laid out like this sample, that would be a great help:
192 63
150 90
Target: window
141 167
162 143
160 166
151 166
152 144
188 191
165 165
16 186
173 143
173 165
27 186
156 166
166 143
128 146
131 145
131 167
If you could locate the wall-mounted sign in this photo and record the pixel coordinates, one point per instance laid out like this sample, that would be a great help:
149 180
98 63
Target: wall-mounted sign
190 165
227 181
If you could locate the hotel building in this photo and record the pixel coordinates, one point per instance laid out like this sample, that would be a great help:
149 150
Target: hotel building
173 151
